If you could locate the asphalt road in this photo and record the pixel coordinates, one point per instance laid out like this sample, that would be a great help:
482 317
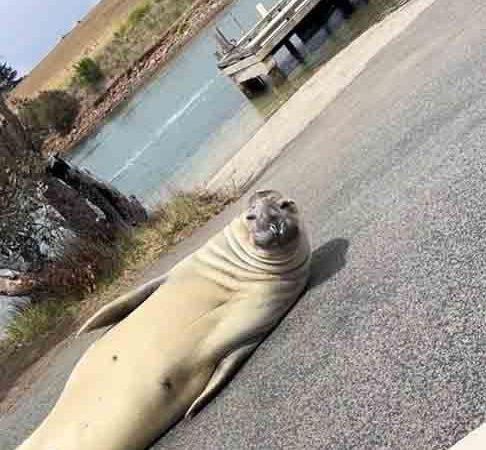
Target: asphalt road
387 349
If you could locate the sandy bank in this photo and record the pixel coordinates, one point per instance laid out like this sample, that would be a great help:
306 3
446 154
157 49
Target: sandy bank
312 98
124 87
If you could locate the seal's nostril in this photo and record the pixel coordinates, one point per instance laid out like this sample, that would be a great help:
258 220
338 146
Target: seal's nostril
283 228
274 229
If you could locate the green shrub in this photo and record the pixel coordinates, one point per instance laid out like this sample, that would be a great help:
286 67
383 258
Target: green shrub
87 72
138 14
51 111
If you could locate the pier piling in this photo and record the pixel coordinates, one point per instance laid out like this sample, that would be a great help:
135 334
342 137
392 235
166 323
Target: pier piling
250 60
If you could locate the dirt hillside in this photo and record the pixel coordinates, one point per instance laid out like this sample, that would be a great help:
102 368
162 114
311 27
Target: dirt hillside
93 30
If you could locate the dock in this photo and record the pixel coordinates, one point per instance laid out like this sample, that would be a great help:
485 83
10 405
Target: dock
250 59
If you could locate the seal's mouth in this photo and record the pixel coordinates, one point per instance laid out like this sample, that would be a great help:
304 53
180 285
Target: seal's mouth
279 230
277 234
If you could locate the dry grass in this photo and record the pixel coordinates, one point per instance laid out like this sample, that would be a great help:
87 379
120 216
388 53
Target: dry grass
95 30
37 319
143 28
42 325
168 225
115 33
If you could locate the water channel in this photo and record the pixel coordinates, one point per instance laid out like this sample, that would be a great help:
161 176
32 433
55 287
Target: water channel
189 119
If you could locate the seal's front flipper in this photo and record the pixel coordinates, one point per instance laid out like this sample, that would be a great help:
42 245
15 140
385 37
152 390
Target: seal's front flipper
118 309
223 373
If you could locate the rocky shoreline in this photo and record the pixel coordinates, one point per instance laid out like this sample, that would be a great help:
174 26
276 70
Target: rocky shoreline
124 86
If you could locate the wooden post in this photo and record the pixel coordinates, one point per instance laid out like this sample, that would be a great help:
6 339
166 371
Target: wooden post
277 76
294 51
252 87
345 6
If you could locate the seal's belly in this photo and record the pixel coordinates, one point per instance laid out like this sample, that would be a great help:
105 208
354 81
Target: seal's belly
162 332
119 409
119 389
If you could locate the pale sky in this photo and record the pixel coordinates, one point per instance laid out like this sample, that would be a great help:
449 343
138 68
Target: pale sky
30 28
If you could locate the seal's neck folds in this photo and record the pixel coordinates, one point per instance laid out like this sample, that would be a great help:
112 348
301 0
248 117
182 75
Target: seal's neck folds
275 260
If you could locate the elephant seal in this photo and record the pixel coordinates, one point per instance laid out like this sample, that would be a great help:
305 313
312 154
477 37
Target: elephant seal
177 339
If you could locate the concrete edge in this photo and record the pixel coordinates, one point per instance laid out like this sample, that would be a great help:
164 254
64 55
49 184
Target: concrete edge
476 440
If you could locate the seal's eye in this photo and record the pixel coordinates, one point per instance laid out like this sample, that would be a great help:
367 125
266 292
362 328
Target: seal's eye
251 216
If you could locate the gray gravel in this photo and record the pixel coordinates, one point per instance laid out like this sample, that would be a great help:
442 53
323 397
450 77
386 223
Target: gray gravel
387 349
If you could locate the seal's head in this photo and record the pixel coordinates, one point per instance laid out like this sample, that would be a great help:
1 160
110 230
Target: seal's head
271 219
